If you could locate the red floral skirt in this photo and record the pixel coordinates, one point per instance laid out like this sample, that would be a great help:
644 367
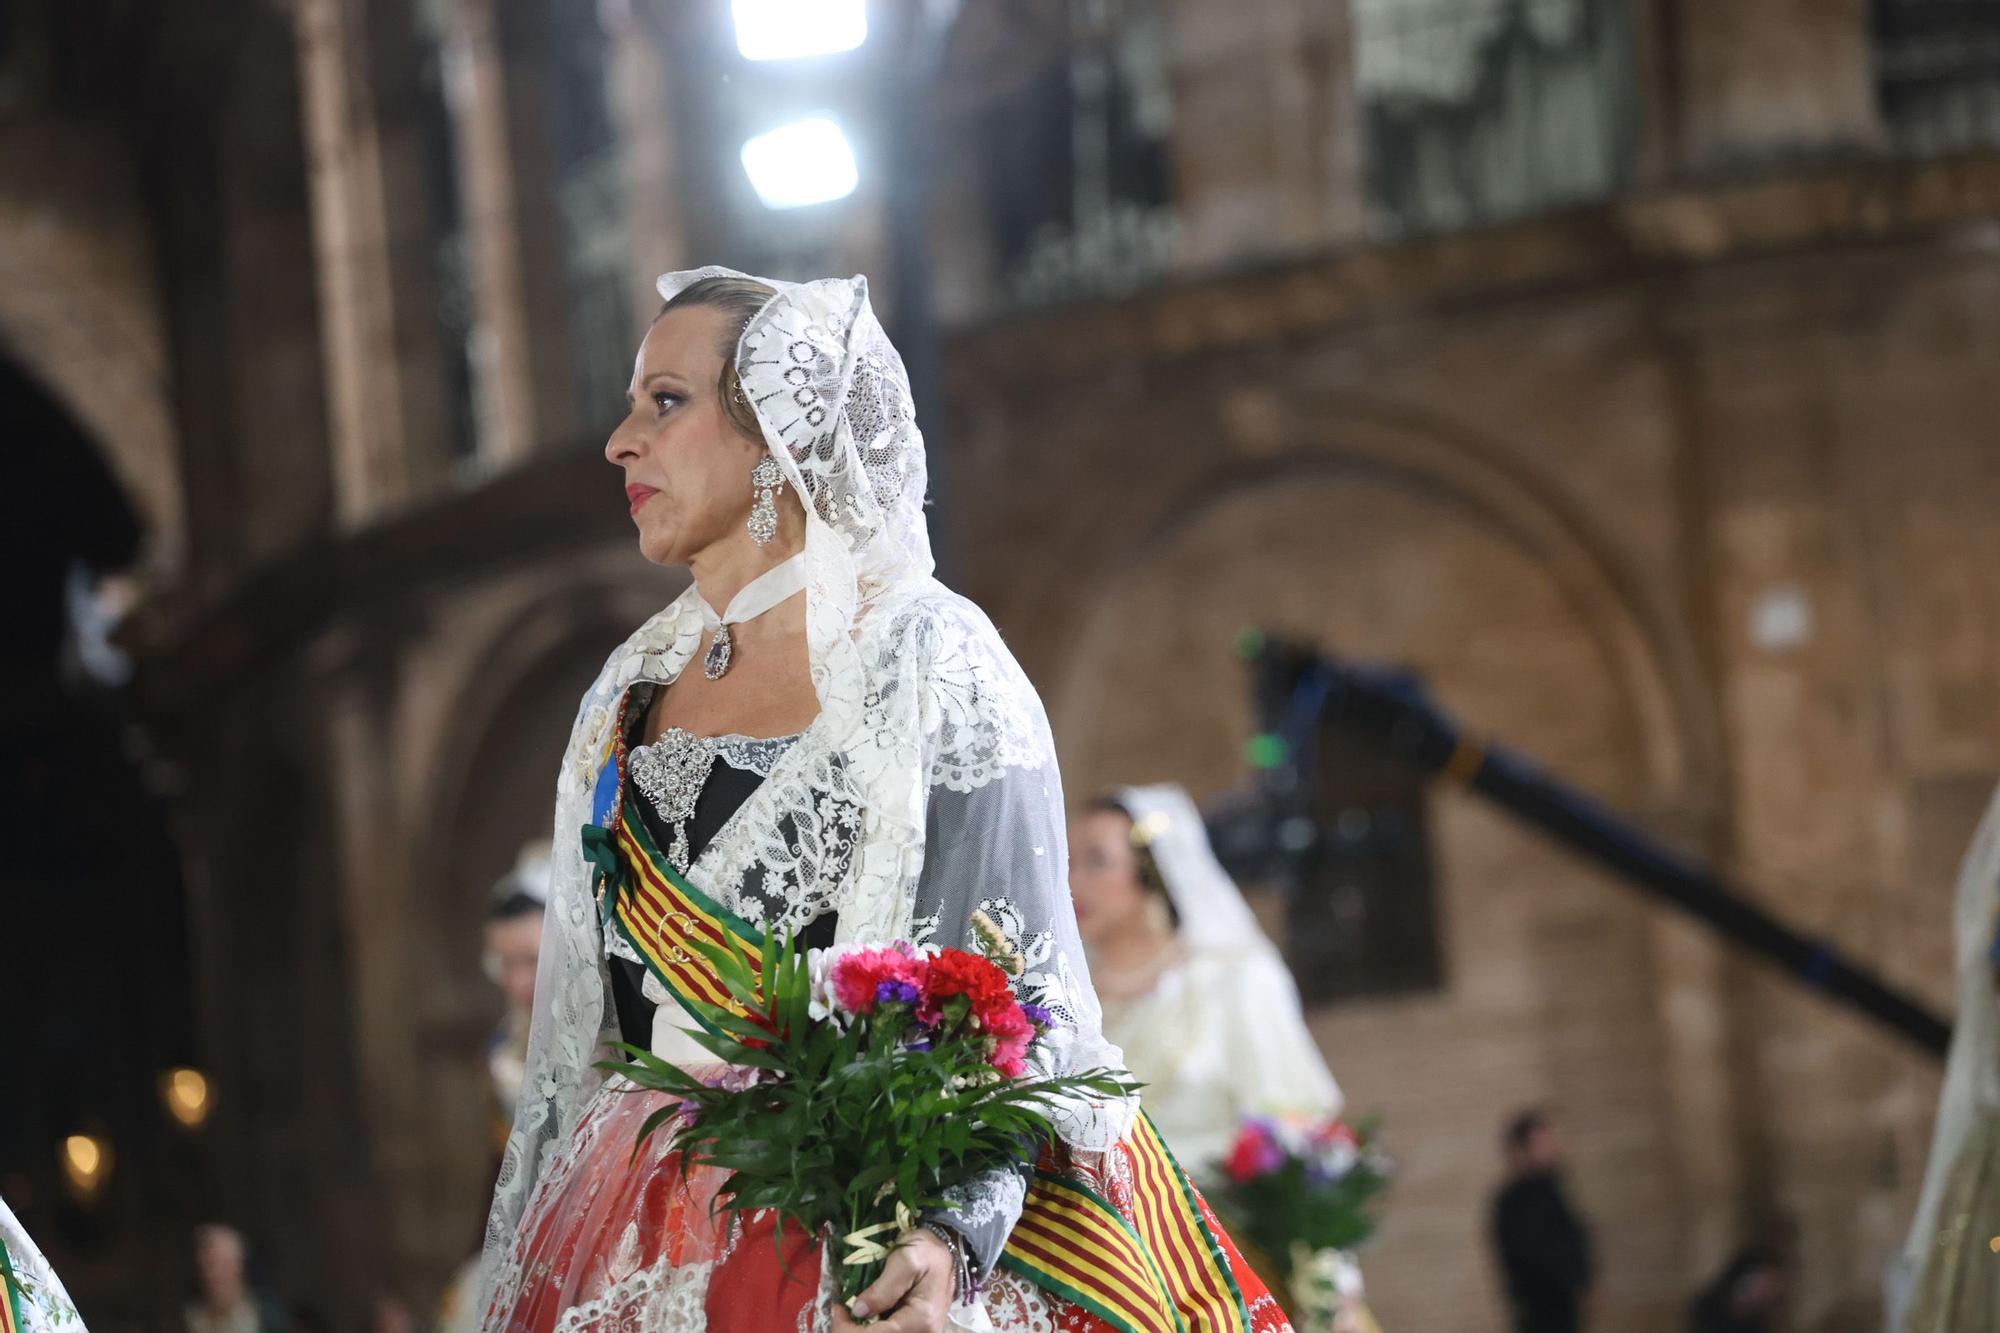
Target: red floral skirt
616 1243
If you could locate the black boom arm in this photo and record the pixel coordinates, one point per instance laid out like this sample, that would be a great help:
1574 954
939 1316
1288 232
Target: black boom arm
1299 691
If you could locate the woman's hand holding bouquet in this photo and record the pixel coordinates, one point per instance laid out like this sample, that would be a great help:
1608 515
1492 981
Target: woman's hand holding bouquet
854 1086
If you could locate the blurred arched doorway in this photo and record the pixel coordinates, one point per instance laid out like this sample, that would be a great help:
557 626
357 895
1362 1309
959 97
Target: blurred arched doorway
1548 992
94 982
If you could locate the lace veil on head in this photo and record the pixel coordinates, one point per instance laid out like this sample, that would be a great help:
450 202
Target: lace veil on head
834 402
1212 912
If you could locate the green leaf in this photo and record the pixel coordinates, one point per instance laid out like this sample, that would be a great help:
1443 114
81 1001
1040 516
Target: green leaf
651 1124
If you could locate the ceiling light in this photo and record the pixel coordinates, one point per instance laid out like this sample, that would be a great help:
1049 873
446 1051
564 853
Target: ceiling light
808 162
795 29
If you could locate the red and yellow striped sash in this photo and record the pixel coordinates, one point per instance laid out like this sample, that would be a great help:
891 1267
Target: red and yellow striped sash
1160 1271
661 914
1180 1238
1073 1243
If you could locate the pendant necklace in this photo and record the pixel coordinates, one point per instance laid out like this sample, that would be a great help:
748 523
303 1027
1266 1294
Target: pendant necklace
756 597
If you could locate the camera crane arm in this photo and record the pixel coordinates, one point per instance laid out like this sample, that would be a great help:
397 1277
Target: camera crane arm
1392 709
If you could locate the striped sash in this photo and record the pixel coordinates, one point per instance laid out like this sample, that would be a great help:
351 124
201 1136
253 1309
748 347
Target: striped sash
12 1320
1161 1269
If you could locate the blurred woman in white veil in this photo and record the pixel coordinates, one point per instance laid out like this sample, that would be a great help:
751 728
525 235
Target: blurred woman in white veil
1194 994
1949 1279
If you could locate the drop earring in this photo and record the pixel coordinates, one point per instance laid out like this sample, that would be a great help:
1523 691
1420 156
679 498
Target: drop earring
768 481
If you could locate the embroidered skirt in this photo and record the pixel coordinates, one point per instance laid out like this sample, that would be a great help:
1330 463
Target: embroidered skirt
617 1243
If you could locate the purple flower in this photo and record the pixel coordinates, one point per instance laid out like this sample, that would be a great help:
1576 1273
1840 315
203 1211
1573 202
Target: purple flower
895 992
1037 1015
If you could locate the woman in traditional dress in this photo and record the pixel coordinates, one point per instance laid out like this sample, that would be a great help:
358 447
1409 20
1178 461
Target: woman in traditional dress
818 738
1948 1279
31 1299
1193 992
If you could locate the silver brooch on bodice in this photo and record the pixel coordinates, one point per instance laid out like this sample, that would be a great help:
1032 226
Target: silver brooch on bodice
672 772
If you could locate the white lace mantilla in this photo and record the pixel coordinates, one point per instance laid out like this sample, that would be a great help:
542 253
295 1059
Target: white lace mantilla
925 789
981 1203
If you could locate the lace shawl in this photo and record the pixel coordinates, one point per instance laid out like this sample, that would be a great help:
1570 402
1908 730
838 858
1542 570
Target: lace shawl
43 1305
926 790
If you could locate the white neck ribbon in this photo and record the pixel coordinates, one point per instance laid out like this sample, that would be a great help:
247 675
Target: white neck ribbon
753 599
775 585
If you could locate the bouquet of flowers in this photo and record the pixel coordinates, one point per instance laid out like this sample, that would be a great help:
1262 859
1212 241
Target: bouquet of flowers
863 1083
1303 1192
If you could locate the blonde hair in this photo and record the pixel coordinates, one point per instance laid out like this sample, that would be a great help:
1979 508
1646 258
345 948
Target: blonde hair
740 299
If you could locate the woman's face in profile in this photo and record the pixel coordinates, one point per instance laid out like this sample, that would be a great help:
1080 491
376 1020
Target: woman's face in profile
687 469
1104 877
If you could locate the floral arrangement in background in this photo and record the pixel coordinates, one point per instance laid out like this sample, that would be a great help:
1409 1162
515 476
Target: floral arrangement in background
1304 1192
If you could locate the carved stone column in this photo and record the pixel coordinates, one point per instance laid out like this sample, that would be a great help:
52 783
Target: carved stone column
373 235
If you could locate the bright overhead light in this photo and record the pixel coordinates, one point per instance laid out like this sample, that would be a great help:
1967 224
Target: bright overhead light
807 162
794 29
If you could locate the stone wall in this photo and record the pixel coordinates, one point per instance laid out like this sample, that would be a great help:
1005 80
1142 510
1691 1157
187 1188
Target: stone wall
1569 489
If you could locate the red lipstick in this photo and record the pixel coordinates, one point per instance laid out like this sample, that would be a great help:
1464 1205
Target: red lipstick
638 494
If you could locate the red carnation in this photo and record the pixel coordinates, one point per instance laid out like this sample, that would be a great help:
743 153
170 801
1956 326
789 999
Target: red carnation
858 977
1255 1153
955 972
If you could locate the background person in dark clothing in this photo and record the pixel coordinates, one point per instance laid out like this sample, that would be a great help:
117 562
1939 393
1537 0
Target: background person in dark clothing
1746 1297
1543 1247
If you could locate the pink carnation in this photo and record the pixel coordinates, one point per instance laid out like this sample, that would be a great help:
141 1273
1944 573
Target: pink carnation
858 976
1011 1032
1336 1133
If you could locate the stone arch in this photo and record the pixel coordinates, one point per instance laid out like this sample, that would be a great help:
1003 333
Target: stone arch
1394 539
516 723
1650 648
475 720
509 659
536 657
80 310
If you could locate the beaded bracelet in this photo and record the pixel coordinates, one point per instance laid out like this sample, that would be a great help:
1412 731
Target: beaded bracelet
964 1286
